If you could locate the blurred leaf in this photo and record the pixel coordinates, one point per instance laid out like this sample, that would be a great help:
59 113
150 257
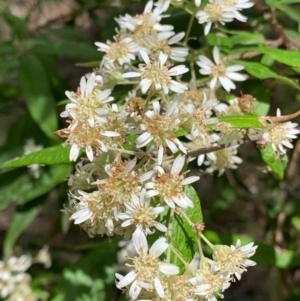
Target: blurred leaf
277 164
20 222
183 236
8 64
263 72
296 222
242 121
57 154
262 103
19 26
288 57
84 270
78 50
289 11
25 188
35 87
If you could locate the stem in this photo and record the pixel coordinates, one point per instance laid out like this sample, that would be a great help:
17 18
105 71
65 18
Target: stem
189 30
124 151
175 251
170 226
206 240
186 217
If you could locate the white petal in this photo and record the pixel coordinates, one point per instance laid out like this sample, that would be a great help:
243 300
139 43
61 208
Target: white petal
130 277
169 268
158 287
158 247
178 164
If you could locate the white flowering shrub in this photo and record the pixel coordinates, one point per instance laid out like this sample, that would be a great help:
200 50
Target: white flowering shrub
155 117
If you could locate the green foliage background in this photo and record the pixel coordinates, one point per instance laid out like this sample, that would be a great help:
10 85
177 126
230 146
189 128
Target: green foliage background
42 55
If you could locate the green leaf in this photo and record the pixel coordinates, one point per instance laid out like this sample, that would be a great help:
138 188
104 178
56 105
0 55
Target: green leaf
262 103
291 58
242 121
57 154
183 236
19 26
277 164
20 222
289 11
25 188
262 72
35 87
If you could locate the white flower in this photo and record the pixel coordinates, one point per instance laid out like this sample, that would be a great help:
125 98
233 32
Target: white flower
157 76
222 11
234 259
148 269
214 12
161 42
209 280
222 159
123 51
161 129
149 19
89 103
219 72
140 214
281 134
170 185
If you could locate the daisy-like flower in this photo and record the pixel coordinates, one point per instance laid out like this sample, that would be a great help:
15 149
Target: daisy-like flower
140 214
95 212
219 72
148 269
142 25
281 134
169 186
161 130
163 41
234 259
209 281
122 50
123 180
82 135
214 12
222 159
222 11
156 76
89 103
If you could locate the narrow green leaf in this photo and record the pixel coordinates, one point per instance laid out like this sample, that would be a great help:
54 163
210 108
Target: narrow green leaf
57 154
288 57
20 222
288 10
242 121
25 188
35 87
277 164
263 72
183 236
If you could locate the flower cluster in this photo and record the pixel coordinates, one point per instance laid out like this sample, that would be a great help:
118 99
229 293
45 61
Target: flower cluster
135 179
14 281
